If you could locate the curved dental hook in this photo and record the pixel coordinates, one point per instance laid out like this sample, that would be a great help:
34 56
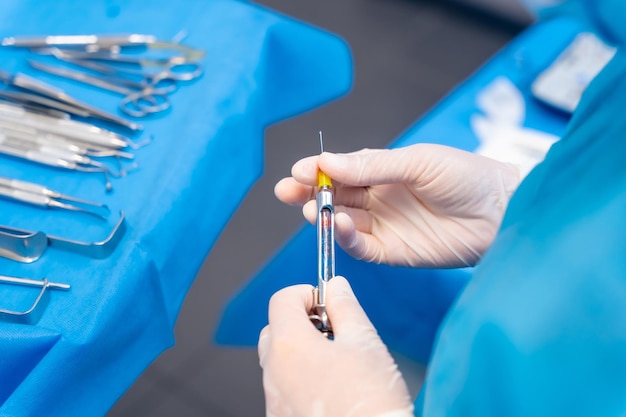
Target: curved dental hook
138 145
107 181
122 172
125 170
106 169
78 209
98 167
117 154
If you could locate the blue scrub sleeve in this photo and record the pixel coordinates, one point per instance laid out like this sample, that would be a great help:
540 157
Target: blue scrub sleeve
540 330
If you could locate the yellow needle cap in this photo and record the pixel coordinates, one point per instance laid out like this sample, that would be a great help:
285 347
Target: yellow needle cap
323 180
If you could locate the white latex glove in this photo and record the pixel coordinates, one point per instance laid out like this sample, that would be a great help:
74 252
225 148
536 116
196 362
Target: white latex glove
422 206
307 375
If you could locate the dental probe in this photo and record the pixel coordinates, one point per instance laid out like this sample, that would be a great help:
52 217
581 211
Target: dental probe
32 193
325 249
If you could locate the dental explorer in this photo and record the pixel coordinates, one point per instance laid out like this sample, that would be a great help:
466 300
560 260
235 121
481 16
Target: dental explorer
325 249
35 194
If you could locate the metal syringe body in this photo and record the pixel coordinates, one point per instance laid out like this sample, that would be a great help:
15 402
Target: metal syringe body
325 249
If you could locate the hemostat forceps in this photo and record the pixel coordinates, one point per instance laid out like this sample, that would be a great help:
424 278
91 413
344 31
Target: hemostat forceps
325 250
140 98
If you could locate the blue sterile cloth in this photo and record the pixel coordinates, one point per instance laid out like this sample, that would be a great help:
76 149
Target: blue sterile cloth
406 305
94 340
540 330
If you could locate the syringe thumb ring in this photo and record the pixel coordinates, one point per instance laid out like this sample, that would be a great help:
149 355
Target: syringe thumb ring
319 318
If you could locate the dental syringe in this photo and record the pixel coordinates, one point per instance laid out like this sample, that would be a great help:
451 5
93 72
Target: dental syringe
325 249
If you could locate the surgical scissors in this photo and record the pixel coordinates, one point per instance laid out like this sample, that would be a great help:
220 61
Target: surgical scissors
144 82
173 68
177 68
140 98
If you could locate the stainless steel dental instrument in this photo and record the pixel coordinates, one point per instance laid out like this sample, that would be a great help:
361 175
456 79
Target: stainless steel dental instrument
56 161
28 246
41 102
36 194
75 130
24 133
62 143
325 249
104 41
8 140
37 87
179 68
140 98
37 109
111 43
33 313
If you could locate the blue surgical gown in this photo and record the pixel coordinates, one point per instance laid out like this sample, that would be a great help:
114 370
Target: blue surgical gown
540 329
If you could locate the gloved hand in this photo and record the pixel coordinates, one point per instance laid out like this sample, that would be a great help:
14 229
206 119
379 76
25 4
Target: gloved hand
307 375
422 206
